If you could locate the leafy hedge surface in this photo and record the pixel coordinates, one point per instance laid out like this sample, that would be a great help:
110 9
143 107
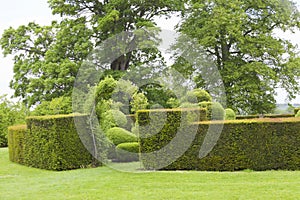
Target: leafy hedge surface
16 135
51 142
264 116
261 144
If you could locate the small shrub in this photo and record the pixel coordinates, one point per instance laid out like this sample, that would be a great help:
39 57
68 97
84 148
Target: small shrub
198 95
128 152
112 118
298 114
119 135
215 110
229 114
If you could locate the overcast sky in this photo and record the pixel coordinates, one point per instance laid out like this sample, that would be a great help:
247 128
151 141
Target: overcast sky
20 12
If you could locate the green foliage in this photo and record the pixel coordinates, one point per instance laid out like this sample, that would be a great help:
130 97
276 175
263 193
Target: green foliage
61 105
296 110
105 89
229 114
215 110
112 118
16 142
298 114
189 105
119 135
239 37
128 152
198 95
47 58
139 102
173 103
157 94
52 142
10 114
267 144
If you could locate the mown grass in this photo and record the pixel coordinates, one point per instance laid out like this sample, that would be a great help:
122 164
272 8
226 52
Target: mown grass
20 182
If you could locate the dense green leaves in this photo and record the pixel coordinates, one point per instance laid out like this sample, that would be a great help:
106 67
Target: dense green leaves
47 58
10 114
239 36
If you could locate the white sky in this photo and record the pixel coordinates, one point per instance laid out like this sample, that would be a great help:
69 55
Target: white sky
20 12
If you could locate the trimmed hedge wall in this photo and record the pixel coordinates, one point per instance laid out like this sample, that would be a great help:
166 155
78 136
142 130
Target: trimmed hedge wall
50 142
16 140
264 116
260 144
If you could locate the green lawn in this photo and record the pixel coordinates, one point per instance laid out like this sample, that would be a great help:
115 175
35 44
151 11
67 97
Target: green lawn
19 182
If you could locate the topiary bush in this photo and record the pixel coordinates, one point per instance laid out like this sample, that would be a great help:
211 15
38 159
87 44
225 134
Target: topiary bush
112 118
119 135
215 110
16 142
198 95
229 114
298 114
128 152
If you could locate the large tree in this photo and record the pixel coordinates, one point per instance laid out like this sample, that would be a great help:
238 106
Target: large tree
240 36
47 58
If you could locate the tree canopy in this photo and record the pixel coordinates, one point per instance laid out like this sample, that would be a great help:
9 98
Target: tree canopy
47 58
240 37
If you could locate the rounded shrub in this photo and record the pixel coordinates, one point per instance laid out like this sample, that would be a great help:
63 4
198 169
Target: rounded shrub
215 110
229 114
128 152
198 95
119 135
298 114
112 118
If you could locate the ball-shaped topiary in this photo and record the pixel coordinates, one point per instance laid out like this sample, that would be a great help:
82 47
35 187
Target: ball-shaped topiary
128 152
215 110
198 95
229 114
119 135
298 114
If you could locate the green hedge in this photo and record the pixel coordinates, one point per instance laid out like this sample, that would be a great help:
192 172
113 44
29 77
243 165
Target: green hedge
264 116
52 143
128 152
296 110
16 139
257 144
